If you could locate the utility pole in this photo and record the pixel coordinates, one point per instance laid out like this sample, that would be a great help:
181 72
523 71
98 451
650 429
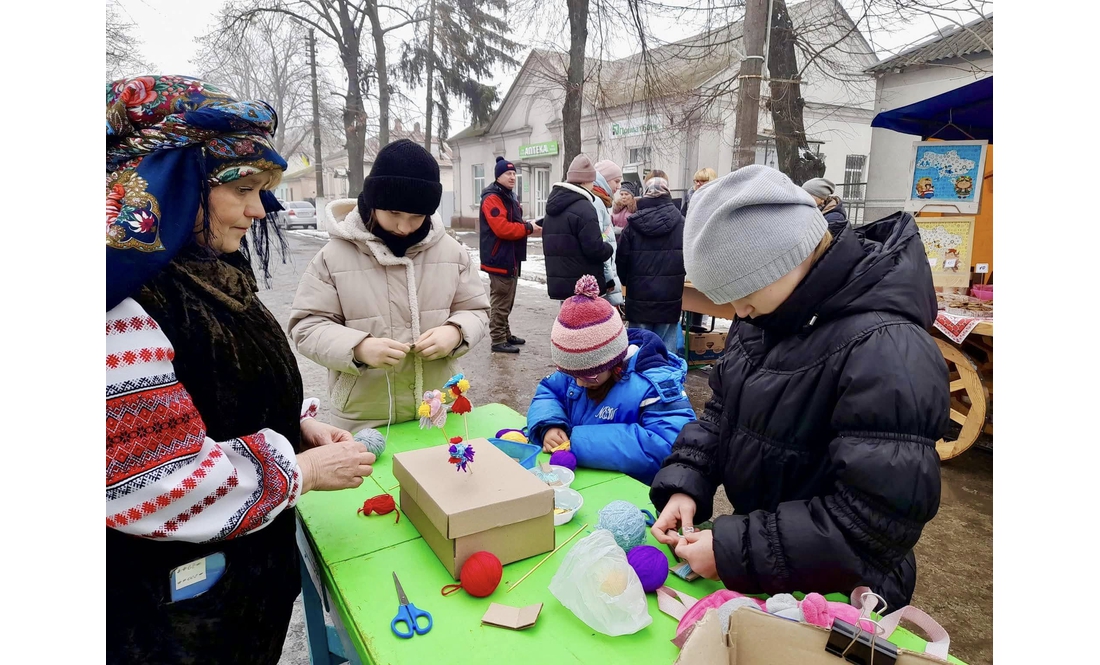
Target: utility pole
318 173
746 124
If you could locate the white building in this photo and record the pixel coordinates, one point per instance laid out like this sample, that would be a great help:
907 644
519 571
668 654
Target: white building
942 62
644 119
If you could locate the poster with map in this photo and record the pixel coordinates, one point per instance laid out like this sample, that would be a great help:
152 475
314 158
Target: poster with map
946 176
947 243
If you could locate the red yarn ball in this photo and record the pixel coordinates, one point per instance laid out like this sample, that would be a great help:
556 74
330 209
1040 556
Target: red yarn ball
480 575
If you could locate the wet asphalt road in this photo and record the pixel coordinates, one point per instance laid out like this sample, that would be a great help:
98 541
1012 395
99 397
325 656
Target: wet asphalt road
955 554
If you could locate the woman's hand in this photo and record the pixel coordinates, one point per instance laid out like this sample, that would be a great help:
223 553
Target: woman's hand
380 352
316 433
697 548
678 513
438 342
554 437
335 466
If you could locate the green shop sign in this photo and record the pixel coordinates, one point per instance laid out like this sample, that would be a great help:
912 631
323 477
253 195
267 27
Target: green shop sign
538 149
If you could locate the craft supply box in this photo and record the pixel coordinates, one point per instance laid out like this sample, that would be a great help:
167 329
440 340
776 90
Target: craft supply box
497 506
705 348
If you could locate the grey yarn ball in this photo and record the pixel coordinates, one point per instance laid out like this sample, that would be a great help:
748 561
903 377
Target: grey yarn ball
625 521
373 440
730 606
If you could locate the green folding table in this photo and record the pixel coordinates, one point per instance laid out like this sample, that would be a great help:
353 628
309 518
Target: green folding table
348 562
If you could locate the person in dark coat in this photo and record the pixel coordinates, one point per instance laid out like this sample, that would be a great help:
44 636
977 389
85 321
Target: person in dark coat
503 235
650 263
572 240
830 205
826 406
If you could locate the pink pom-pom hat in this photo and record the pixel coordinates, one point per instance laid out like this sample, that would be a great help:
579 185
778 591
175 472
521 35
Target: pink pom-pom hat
588 336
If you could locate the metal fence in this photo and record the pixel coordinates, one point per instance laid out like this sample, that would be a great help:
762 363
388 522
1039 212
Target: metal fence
854 195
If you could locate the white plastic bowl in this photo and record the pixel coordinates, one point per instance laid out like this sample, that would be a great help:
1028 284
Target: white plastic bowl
569 499
564 475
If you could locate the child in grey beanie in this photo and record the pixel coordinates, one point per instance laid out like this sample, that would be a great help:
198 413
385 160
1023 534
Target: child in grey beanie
746 230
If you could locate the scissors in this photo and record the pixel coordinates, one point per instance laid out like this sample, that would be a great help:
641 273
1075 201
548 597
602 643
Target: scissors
408 614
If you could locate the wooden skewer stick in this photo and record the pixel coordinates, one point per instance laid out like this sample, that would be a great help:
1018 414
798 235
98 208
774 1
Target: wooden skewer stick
547 557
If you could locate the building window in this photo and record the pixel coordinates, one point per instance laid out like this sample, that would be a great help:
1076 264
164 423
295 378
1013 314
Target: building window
854 181
640 155
479 180
519 186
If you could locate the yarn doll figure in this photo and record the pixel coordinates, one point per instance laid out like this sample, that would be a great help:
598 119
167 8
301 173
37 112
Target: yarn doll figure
617 397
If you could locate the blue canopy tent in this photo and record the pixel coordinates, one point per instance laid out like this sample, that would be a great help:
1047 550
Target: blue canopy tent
957 115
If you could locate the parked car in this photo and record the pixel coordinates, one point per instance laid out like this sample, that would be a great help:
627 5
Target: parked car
298 214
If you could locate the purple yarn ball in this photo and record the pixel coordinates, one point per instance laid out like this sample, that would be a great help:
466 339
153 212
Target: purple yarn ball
651 565
564 458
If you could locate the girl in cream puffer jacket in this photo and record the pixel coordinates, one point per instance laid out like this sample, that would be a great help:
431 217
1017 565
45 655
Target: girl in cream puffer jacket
372 283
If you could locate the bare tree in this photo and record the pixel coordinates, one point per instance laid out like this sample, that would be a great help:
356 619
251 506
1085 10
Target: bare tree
342 22
124 56
266 60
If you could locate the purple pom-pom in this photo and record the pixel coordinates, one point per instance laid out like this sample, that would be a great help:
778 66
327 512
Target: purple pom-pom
564 458
651 565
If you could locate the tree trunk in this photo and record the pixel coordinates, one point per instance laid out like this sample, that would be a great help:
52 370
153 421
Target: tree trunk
746 128
574 87
430 71
319 177
786 103
383 74
355 118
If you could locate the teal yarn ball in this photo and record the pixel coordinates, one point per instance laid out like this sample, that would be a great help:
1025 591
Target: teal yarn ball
373 440
625 522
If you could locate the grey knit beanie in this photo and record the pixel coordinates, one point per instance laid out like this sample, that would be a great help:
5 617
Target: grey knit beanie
747 229
819 187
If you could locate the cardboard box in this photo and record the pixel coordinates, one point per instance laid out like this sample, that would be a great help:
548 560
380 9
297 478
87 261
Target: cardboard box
705 348
756 638
498 506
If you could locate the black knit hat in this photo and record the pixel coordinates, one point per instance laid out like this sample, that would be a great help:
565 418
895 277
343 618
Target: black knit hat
404 177
503 166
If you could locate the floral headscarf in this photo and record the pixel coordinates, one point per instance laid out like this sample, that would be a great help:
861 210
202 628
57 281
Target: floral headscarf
170 138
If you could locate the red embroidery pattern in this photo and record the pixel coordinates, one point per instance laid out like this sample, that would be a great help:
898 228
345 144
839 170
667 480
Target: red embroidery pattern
131 324
138 356
174 523
181 490
274 486
147 429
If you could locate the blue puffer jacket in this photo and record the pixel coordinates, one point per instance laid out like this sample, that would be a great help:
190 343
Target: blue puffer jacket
633 428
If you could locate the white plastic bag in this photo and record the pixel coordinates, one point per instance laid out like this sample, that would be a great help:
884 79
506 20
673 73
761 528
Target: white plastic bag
598 585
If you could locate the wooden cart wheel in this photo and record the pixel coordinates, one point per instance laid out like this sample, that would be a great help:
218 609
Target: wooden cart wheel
968 400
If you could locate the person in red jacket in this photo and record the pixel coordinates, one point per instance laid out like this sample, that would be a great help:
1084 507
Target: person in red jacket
503 247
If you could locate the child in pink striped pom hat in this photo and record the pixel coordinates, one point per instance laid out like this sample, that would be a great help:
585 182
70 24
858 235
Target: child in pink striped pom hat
623 382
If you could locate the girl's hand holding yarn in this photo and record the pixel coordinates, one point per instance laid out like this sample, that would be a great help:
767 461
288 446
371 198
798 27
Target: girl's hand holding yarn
438 342
697 548
554 437
380 352
678 513
316 433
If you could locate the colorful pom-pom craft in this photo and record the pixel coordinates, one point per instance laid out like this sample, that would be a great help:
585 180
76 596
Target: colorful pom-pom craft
461 455
456 388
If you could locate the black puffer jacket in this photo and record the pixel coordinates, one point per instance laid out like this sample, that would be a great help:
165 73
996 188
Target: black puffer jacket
822 427
650 262
572 241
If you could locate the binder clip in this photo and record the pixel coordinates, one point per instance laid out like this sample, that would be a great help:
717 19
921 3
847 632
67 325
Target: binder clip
855 645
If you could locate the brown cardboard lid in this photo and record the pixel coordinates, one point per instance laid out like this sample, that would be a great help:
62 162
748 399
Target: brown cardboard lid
496 491
516 618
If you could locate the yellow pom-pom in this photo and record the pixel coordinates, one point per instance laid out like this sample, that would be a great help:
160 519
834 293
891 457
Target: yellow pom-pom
424 411
615 583
463 385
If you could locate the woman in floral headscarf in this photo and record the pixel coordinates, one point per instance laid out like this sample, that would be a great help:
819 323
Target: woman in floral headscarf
201 558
